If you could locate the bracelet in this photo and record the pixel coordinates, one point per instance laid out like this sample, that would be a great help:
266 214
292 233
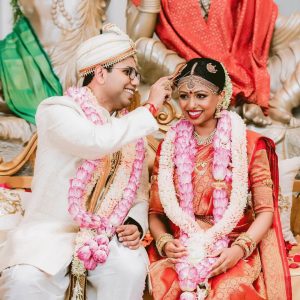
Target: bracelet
151 108
246 242
161 241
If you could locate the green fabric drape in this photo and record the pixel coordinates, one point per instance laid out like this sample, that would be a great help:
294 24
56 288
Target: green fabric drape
26 73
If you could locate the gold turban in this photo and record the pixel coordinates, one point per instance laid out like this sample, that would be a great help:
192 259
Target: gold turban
106 49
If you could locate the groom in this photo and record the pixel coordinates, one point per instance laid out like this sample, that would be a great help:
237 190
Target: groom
90 188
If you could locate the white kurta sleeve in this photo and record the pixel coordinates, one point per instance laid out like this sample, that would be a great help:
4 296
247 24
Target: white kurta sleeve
71 132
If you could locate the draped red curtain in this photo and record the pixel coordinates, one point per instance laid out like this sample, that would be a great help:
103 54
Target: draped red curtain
237 32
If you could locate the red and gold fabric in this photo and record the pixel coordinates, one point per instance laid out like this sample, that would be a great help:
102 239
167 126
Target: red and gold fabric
264 275
238 33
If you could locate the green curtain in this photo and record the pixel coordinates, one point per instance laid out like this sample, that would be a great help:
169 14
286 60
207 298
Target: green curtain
26 73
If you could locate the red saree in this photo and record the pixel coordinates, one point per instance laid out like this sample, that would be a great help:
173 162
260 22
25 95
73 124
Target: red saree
265 274
238 33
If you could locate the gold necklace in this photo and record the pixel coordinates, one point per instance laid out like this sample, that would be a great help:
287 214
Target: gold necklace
204 140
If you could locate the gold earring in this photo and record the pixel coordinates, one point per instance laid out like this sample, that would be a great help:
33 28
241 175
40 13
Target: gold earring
218 110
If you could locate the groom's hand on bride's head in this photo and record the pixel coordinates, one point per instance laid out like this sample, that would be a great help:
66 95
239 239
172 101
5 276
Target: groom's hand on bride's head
129 236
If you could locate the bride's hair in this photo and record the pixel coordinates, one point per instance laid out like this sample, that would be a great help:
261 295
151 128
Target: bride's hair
206 68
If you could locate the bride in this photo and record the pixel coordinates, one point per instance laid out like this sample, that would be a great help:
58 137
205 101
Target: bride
213 206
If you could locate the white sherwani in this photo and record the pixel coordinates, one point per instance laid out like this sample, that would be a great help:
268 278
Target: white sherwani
45 237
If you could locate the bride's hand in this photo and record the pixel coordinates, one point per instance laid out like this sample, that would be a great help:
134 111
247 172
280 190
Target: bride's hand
174 249
227 259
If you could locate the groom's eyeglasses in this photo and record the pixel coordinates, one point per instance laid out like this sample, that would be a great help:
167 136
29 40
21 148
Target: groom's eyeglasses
130 72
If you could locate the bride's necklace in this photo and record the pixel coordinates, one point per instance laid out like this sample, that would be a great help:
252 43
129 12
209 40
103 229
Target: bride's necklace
204 140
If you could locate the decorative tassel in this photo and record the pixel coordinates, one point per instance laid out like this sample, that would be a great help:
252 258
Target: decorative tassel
77 291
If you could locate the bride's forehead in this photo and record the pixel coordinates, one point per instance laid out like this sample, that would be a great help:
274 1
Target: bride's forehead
195 88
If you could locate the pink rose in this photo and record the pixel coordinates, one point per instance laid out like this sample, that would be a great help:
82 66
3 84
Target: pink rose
122 207
109 229
185 177
228 177
127 193
222 203
84 253
90 264
132 186
73 209
86 220
104 248
192 273
219 172
187 285
140 145
138 165
186 188
180 266
82 174
101 239
75 192
77 183
96 221
139 155
72 200
100 256
92 244
78 217
88 166
183 273
115 220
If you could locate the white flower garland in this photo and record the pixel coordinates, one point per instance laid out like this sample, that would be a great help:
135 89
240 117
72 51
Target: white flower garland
115 191
200 241
98 229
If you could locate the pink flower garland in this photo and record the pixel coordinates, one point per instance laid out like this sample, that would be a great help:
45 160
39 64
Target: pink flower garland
95 251
185 149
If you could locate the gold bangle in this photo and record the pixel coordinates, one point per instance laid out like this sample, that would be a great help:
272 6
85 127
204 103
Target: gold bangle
246 242
161 241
